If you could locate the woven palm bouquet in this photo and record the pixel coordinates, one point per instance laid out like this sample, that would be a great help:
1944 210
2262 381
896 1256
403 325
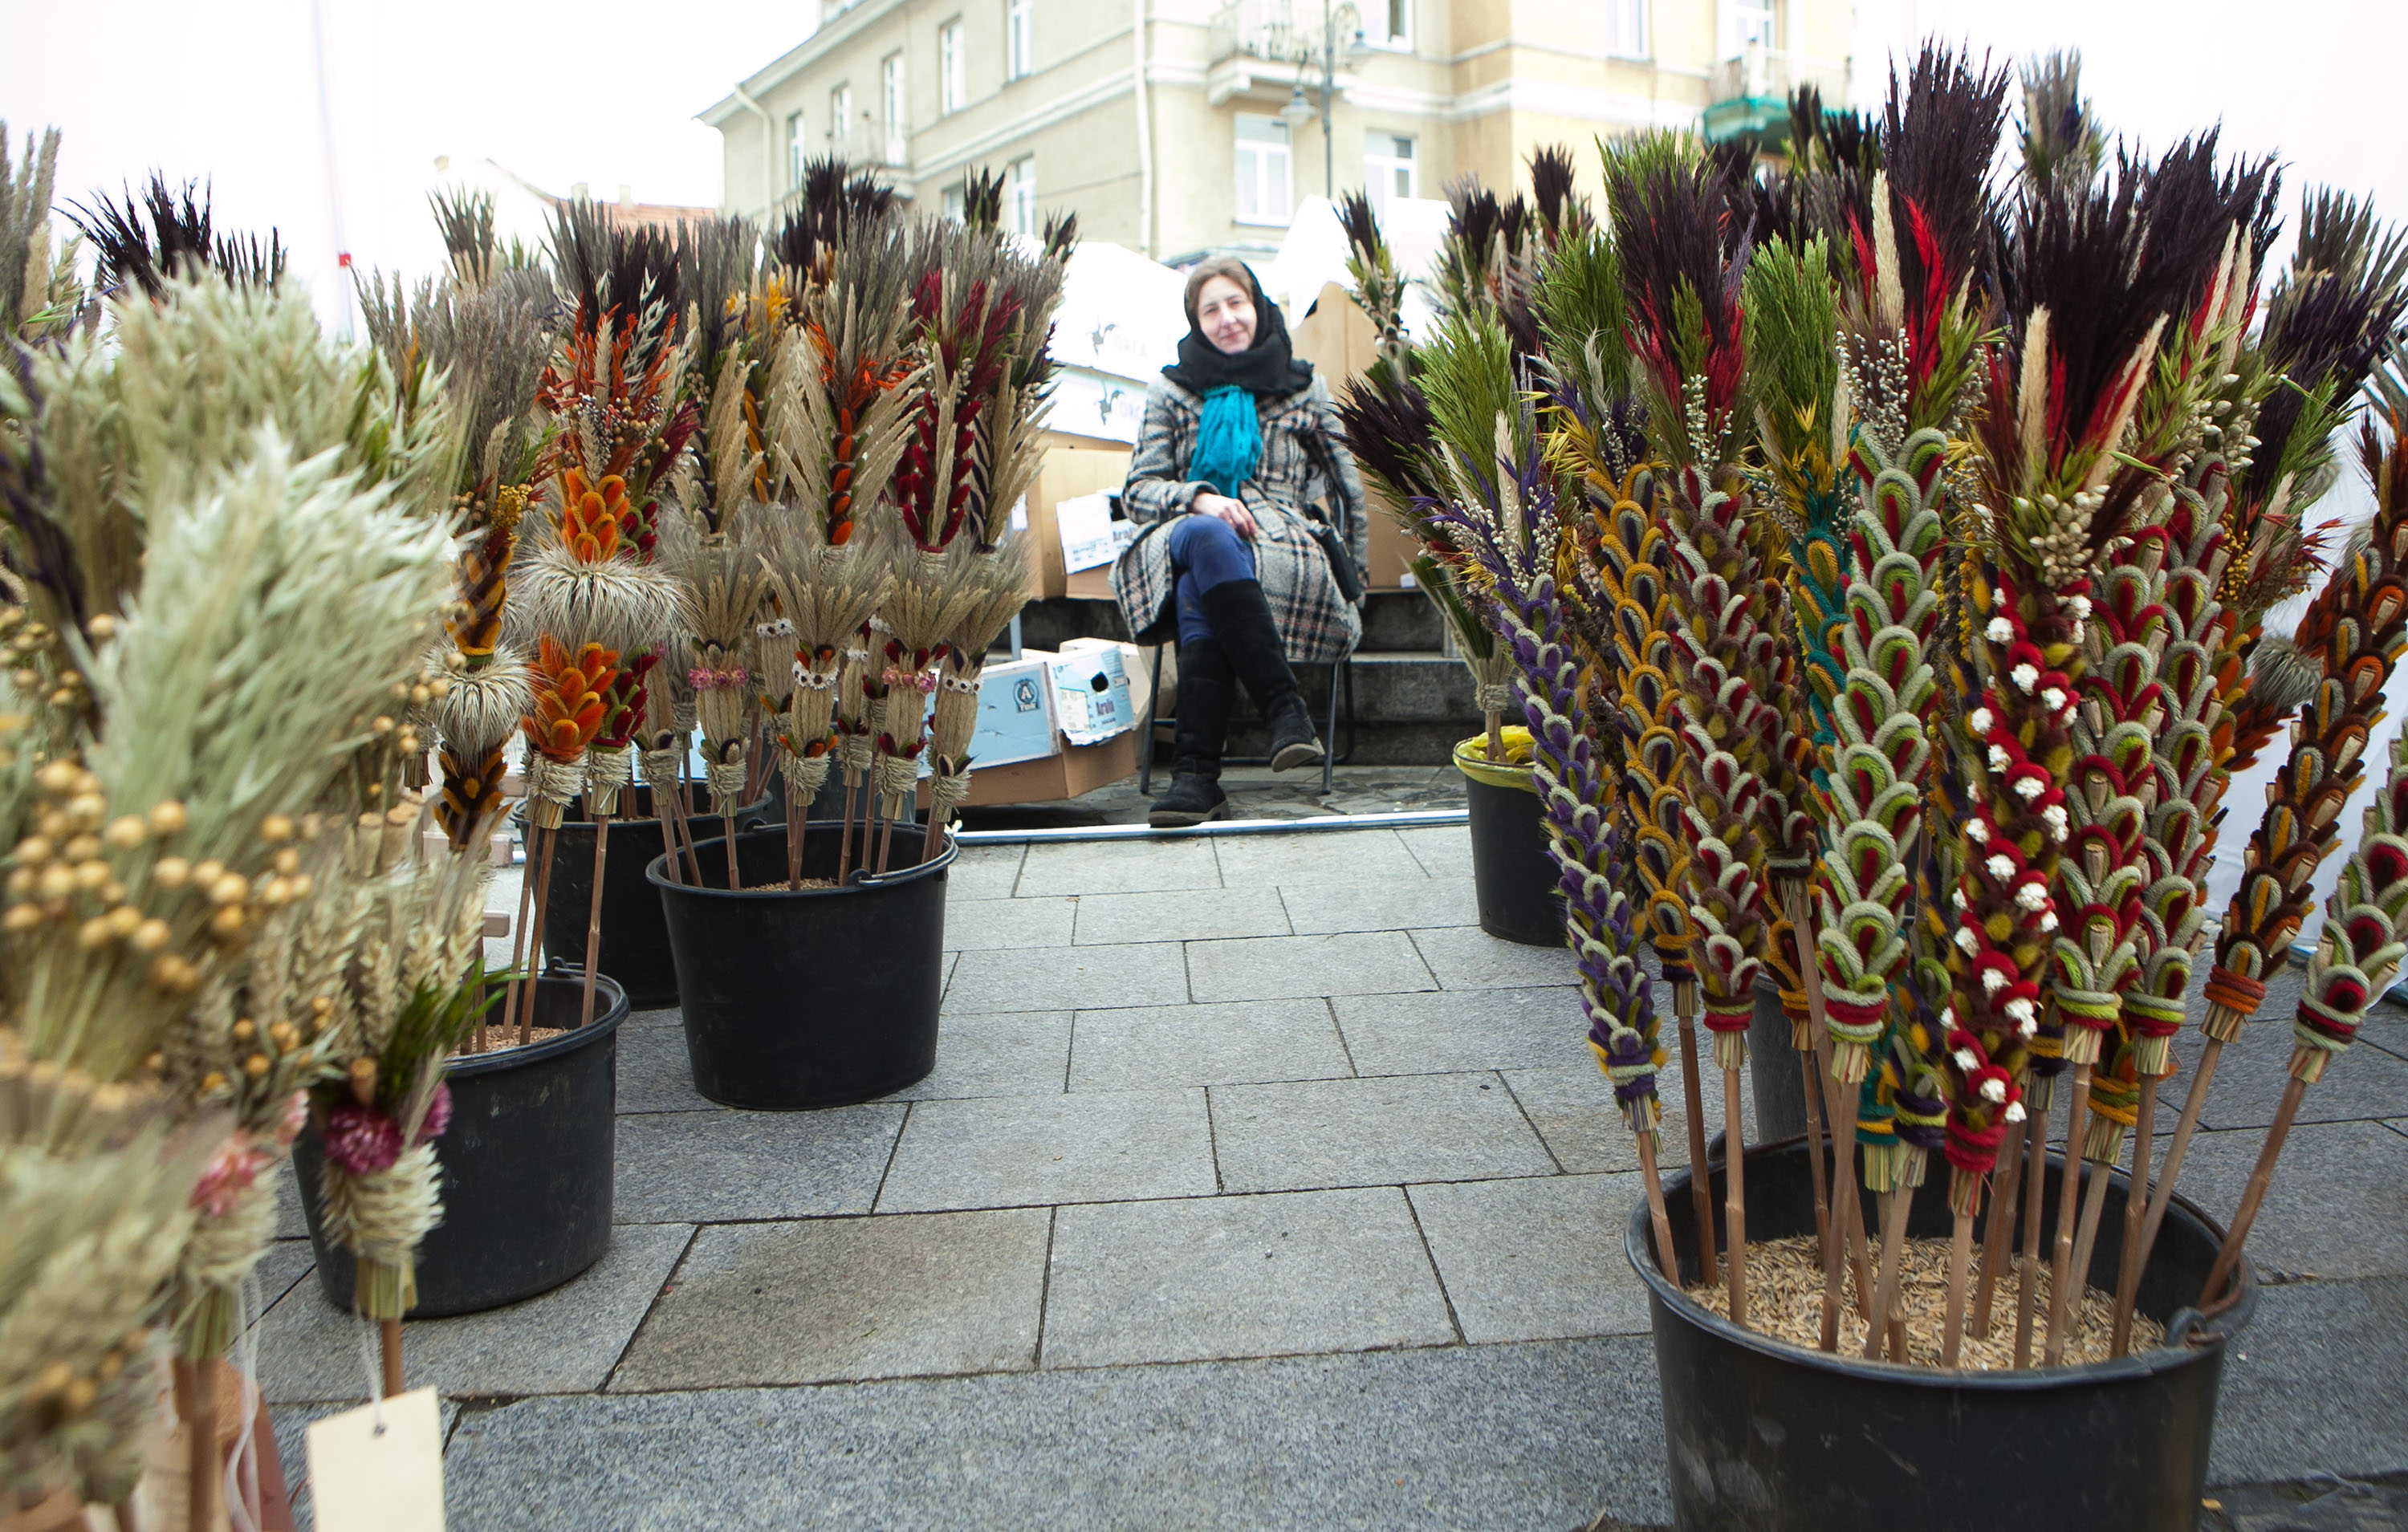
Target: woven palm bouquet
230 542
1884 547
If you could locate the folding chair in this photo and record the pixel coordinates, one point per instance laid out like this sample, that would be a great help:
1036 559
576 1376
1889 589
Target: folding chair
1342 675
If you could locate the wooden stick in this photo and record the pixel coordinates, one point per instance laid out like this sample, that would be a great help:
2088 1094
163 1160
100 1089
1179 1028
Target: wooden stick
667 815
886 839
685 834
2136 1201
1793 898
795 810
2163 1197
1847 1212
1893 1231
388 1330
202 1463
844 841
1998 1235
1685 1007
2061 1275
2229 1256
1654 1181
519 932
2027 1267
1960 1257
1735 1197
1495 720
2085 1239
535 954
735 874
593 916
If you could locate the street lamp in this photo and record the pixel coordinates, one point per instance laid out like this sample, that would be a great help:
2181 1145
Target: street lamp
1342 21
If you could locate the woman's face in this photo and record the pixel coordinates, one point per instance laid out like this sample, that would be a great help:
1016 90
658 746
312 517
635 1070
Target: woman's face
1224 312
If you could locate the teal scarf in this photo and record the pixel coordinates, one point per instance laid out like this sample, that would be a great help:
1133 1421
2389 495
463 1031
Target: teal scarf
1228 440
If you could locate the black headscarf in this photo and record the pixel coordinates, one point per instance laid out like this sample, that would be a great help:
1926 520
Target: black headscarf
1267 366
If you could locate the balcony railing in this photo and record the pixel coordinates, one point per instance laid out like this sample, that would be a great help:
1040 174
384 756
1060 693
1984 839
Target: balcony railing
1258 29
1749 92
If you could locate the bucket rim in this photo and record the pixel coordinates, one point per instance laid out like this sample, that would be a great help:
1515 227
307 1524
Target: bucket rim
2207 1334
1515 775
863 882
605 1021
761 805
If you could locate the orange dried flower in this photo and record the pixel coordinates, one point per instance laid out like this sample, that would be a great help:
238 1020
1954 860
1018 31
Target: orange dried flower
569 701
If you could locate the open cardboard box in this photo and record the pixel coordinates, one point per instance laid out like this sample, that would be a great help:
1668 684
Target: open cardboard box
1093 690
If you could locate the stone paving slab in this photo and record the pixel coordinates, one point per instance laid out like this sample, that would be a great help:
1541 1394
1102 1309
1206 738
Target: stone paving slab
1027 1151
1397 904
710 1166
1452 1031
1184 916
1292 968
1150 973
996 1053
1237 1042
982 925
655 1073
2337 1207
1371 1133
563 1341
1538 1259
1338 857
280 1271
2252 1074
914 1295
984 872
1209 1278
1572 1107
2314 1385
1466 957
1444 850
1534 1437
1118 866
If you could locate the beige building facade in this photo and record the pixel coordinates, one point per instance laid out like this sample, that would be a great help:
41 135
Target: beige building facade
1179 127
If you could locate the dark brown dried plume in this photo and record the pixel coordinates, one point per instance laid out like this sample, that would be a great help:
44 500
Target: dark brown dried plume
166 235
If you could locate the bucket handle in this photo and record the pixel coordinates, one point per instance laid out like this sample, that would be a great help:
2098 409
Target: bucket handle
864 878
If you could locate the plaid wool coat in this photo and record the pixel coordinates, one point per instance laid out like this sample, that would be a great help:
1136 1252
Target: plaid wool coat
1316 623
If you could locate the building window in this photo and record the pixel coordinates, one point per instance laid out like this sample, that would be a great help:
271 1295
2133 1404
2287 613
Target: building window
1265 190
797 149
954 202
1396 17
1388 168
1753 22
1020 206
1019 49
952 68
1626 28
898 110
841 134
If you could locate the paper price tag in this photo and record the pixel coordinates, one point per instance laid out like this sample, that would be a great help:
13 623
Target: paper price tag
379 1468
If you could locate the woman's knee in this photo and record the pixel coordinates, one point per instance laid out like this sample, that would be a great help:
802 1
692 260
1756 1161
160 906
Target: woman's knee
1203 538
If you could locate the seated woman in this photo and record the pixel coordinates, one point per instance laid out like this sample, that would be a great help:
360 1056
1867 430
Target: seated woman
1239 438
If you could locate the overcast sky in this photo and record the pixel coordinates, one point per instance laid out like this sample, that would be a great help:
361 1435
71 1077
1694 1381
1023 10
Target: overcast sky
604 92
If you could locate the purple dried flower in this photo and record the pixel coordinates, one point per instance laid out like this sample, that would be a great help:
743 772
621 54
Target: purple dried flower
362 1141
439 1114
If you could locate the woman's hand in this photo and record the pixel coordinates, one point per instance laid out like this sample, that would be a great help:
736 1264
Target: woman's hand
1221 507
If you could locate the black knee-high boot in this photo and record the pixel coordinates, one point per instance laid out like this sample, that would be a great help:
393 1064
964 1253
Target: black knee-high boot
1205 693
1241 621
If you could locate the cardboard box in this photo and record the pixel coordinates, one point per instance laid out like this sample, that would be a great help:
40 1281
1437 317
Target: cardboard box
1065 774
1070 468
1091 694
1338 339
1015 716
1137 664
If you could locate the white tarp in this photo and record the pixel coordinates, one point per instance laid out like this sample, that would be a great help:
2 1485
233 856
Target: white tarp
1119 314
1314 252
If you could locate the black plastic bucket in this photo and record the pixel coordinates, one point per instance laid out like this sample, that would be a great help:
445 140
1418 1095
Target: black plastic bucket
526 1165
1513 876
635 948
1761 1434
812 997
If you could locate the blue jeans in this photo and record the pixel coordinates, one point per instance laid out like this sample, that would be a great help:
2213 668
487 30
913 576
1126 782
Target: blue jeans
1204 552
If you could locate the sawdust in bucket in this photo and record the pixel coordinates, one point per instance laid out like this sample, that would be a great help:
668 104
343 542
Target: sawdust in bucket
1785 1300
